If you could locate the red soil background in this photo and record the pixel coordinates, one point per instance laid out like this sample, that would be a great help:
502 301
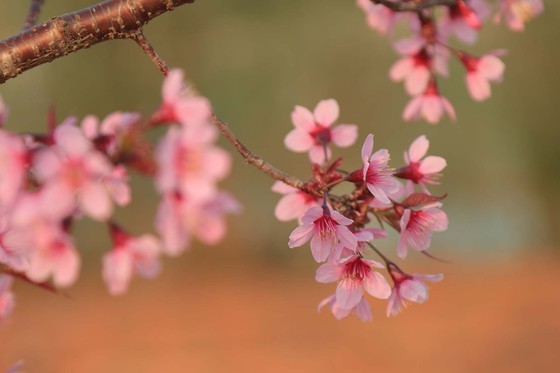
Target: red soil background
235 314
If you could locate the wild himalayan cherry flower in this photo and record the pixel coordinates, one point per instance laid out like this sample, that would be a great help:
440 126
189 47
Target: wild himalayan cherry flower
74 172
379 17
190 163
6 296
417 227
313 131
464 20
430 105
13 162
180 104
518 12
179 217
410 288
480 72
362 309
294 202
415 70
420 170
376 173
111 130
355 275
415 45
325 228
130 254
52 251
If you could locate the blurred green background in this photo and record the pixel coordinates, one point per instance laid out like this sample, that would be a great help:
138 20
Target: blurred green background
255 60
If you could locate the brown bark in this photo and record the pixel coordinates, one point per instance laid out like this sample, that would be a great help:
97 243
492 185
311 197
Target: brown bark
111 19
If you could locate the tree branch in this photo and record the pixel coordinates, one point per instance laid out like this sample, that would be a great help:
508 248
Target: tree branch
33 13
111 19
414 5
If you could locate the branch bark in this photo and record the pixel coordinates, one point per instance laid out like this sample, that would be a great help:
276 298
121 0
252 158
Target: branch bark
414 5
111 19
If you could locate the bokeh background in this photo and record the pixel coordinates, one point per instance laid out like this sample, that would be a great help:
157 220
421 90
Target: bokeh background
248 304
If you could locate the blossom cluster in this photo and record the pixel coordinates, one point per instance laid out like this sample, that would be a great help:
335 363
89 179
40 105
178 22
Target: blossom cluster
80 169
425 53
338 227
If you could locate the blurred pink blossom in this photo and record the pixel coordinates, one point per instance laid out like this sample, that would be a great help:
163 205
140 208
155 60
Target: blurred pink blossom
417 227
294 202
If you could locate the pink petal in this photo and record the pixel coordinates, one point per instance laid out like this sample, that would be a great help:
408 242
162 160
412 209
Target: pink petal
432 165
95 201
417 81
117 270
412 109
301 235
491 67
377 286
367 148
282 188
173 86
478 86
432 109
71 139
326 112
328 272
303 119
418 148
317 154
414 291
291 206
349 293
401 69
298 141
344 135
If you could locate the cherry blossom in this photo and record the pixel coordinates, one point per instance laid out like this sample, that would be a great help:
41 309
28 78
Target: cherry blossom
294 202
518 12
362 310
430 105
415 70
420 169
313 132
376 173
408 288
417 227
464 20
325 228
480 72
130 255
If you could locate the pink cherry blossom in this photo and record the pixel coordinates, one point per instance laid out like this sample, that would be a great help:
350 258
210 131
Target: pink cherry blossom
420 169
379 17
294 202
430 105
111 130
355 275
417 227
15 246
130 254
313 132
408 288
180 104
13 163
325 228
518 12
362 310
376 173
7 299
189 162
74 173
464 21
415 70
480 72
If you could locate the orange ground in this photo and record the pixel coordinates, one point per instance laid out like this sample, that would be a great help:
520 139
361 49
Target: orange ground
203 316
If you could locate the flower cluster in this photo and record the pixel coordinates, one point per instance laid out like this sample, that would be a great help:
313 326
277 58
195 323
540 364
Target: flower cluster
339 227
78 169
425 54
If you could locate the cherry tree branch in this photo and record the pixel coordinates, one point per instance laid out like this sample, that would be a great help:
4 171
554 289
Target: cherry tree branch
111 19
414 5
33 13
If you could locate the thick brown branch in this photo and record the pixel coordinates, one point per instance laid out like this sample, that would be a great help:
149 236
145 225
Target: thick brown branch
111 19
258 162
414 5
33 13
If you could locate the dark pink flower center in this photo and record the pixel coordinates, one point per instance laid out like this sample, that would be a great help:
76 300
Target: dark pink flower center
356 270
321 134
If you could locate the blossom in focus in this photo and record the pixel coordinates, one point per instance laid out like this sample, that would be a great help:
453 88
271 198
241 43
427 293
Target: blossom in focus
325 228
420 169
430 105
313 132
376 173
417 226
130 255
518 12
7 300
408 288
362 310
294 203
480 72
355 274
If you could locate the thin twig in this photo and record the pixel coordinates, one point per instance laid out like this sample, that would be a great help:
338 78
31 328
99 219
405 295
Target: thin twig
33 13
413 6
141 40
